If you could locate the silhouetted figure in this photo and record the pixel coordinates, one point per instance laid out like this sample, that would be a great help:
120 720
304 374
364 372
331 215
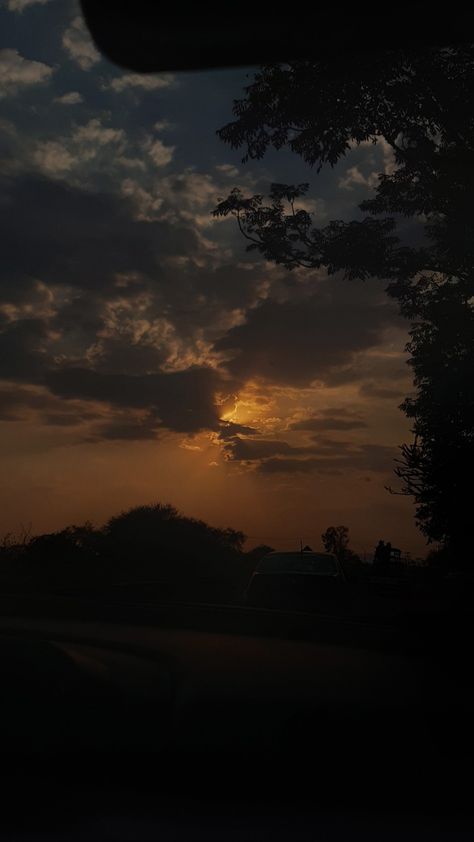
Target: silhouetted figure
379 553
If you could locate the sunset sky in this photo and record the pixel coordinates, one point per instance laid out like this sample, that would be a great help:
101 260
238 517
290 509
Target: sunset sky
144 354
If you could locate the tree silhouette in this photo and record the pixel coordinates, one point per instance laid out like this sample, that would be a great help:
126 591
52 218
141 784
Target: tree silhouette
154 542
422 105
72 556
335 540
159 542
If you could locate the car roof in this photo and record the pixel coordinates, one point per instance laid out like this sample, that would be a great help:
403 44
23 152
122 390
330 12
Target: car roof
304 561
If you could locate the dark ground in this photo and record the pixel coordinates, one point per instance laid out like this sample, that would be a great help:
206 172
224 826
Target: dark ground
198 720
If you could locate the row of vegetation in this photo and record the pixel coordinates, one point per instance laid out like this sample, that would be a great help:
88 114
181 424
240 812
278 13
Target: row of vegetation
153 543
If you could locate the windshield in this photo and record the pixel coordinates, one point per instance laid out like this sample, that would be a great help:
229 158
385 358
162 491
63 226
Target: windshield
236 337
235 318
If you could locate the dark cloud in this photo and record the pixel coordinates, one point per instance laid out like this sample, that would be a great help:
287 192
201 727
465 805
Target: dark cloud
22 350
324 456
182 401
141 406
122 355
329 444
126 430
375 457
253 449
80 318
377 368
62 235
326 450
368 457
229 286
328 422
66 237
15 400
18 402
299 466
230 430
199 298
306 339
68 419
373 390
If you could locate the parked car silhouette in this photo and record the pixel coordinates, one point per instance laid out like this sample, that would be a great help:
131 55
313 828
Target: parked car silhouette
297 580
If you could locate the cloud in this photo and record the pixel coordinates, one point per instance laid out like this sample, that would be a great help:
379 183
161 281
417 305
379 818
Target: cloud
229 430
94 132
242 450
182 401
381 366
85 239
149 294
65 154
324 455
369 457
17 72
23 353
373 159
374 390
20 403
71 98
158 152
355 178
228 170
141 81
115 303
187 195
307 338
60 418
125 429
52 156
21 5
130 163
15 400
297 466
126 355
256 450
194 191
336 419
147 204
78 43
91 161
163 125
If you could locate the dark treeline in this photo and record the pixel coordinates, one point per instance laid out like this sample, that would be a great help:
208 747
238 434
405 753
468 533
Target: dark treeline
147 543
157 544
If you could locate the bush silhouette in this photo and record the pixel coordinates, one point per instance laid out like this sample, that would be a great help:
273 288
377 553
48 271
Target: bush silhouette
157 542
154 542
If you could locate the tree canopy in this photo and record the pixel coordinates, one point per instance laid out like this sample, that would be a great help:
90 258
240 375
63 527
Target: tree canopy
420 103
336 540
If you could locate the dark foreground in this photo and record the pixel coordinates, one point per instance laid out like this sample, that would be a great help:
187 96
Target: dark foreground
258 724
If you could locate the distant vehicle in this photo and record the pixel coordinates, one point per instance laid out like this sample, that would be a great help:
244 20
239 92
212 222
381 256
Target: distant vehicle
303 579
